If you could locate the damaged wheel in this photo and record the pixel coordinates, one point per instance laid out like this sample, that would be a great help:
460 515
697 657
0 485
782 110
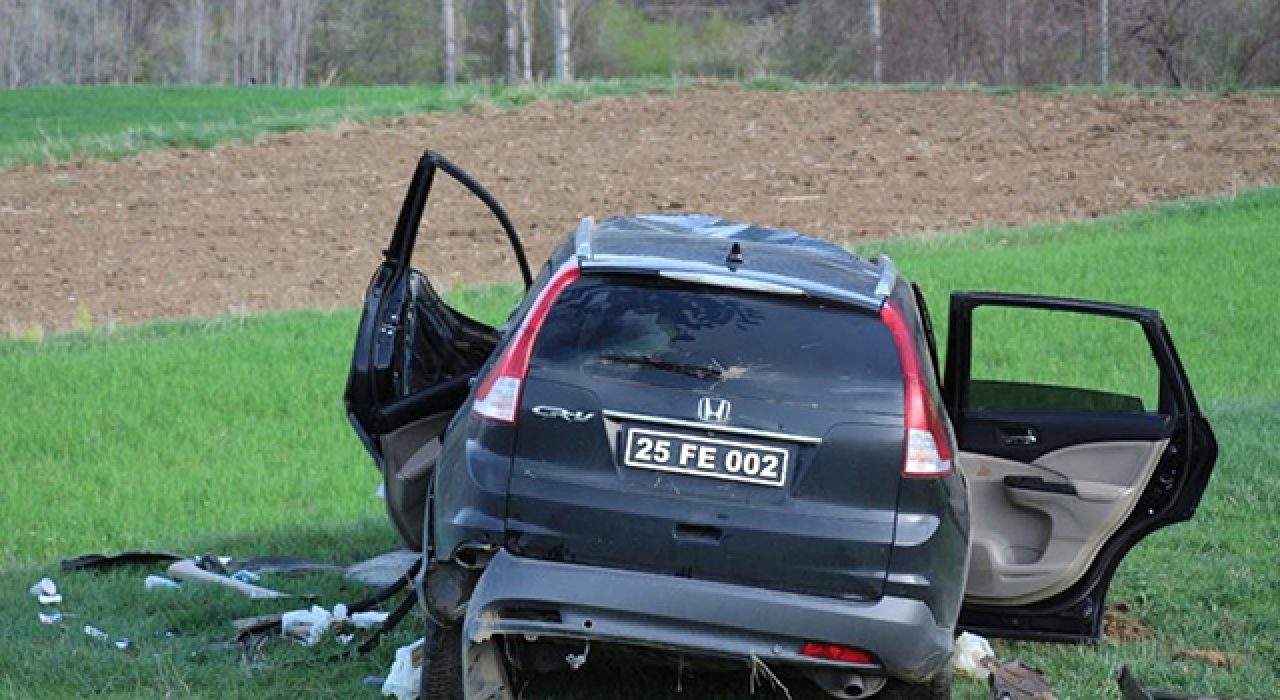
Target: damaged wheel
442 671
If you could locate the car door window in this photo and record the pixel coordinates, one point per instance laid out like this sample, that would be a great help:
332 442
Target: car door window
1042 360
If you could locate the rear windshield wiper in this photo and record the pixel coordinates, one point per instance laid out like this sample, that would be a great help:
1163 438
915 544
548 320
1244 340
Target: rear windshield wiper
714 371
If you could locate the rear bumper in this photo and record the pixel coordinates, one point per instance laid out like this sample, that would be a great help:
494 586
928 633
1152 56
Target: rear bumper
702 617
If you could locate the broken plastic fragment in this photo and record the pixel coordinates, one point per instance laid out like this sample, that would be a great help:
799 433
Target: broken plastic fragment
152 583
576 661
405 676
306 626
46 591
345 639
246 576
970 650
97 633
52 618
364 620
188 570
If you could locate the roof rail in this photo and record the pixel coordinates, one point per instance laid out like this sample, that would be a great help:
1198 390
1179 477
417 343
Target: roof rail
888 276
582 238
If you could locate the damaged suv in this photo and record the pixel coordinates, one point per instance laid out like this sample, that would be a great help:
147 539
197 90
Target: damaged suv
729 442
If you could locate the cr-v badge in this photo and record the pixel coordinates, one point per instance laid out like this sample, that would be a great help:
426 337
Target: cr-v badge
563 414
713 410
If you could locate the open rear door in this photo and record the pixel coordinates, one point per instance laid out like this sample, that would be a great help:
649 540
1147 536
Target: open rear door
1079 435
415 357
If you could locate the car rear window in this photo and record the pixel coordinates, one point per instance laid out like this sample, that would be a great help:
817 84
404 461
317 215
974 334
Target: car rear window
744 344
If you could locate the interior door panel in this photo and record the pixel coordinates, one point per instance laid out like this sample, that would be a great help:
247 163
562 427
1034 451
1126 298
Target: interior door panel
1066 476
1036 526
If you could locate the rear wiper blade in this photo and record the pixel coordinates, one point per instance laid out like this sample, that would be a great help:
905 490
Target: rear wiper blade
715 371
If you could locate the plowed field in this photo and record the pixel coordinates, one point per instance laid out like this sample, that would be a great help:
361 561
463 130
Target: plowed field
299 220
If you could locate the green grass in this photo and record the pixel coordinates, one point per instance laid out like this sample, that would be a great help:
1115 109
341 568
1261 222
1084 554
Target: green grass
228 436
49 124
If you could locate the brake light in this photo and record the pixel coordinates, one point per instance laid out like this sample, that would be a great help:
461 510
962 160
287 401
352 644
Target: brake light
929 448
835 652
498 398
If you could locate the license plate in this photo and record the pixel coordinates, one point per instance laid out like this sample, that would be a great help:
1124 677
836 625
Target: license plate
701 456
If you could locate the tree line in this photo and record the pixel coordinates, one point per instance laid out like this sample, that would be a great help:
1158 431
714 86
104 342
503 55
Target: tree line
1208 44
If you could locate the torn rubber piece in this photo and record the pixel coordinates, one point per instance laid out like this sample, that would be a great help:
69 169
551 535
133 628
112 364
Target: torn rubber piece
1132 688
1014 680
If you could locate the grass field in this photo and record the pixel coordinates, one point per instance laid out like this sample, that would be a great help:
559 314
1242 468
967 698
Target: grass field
49 124
228 436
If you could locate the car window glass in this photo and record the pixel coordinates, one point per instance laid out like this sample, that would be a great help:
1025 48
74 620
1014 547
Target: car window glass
741 344
1040 360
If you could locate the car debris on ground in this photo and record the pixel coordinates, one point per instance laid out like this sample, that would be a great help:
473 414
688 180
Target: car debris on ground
1132 688
188 570
405 677
46 592
970 655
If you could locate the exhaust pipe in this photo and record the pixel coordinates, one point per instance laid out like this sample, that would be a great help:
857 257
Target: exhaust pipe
847 685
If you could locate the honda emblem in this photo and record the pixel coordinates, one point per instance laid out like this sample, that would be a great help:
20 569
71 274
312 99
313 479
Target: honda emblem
713 410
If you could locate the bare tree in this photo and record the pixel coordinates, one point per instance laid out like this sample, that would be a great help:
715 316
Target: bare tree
449 28
512 42
526 43
1164 26
196 42
877 41
564 69
1104 42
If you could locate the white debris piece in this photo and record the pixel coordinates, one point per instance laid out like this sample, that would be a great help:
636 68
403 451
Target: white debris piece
46 591
153 583
576 661
307 626
406 676
365 620
52 618
97 633
969 653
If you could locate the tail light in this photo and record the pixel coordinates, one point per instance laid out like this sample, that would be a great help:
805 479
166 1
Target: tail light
835 652
929 448
498 397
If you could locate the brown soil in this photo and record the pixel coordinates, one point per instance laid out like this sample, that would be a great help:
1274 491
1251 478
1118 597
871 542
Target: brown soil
1120 623
298 220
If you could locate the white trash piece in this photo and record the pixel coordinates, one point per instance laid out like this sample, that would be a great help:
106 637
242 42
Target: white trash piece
46 591
156 583
307 626
97 633
52 618
365 620
405 677
969 653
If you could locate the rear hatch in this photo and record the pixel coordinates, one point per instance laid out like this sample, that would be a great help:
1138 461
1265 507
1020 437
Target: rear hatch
712 434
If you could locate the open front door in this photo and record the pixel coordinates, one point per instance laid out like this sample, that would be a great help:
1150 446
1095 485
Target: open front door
414 358
1079 435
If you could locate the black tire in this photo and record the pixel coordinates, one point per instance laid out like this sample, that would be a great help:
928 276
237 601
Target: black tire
442 677
937 689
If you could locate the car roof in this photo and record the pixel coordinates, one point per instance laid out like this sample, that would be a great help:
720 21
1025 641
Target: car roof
690 244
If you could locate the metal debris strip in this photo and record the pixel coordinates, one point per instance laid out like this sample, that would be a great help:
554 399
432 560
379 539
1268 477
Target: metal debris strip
1132 688
760 668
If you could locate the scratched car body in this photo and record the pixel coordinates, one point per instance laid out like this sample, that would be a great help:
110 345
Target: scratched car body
732 444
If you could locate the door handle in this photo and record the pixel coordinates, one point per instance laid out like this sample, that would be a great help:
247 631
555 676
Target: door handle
1023 436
